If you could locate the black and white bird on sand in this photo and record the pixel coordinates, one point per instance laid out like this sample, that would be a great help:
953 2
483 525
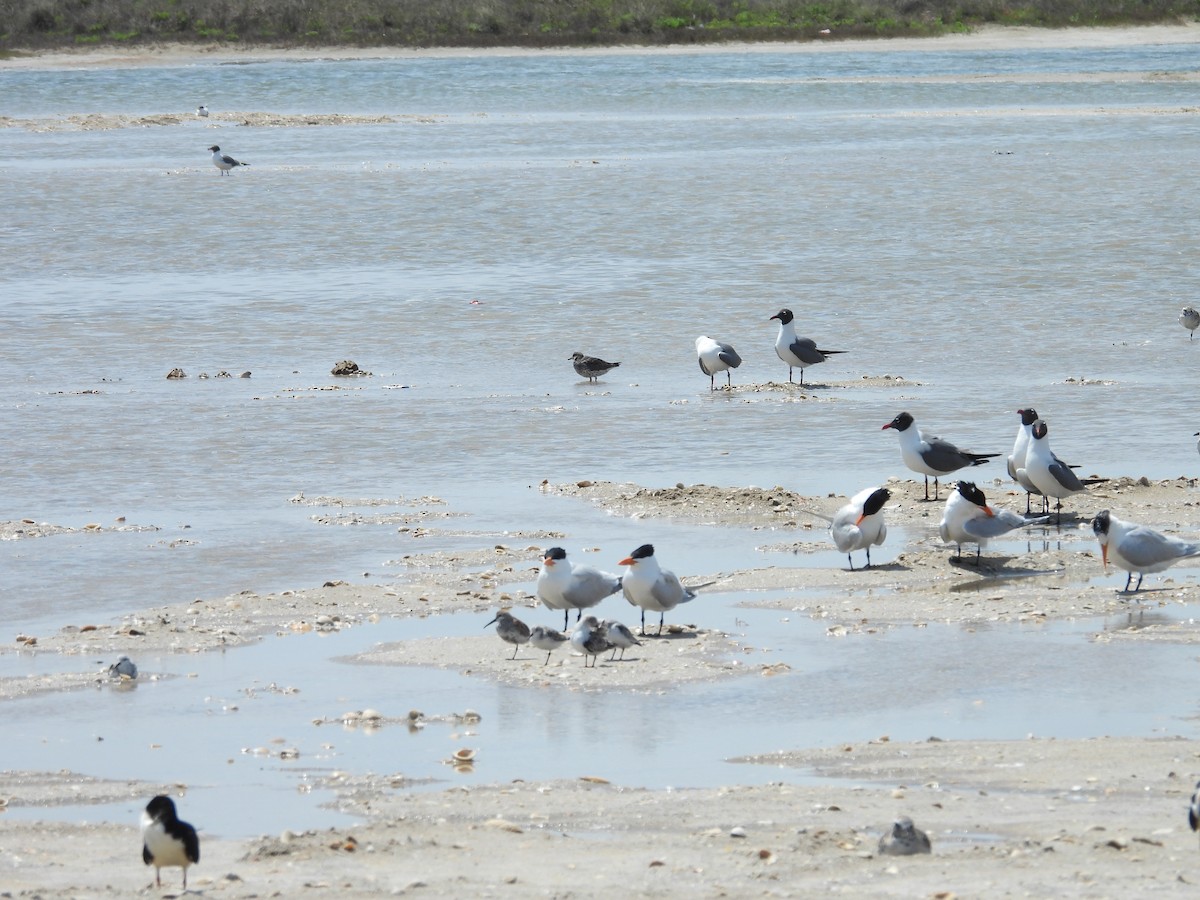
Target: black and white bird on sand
591 367
223 162
797 352
714 357
927 454
167 840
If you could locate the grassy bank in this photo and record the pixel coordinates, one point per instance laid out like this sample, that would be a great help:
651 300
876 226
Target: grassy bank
537 23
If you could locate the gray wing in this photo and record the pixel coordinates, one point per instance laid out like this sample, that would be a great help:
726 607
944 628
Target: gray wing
1002 522
805 350
590 586
1062 473
668 591
1144 547
943 455
729 356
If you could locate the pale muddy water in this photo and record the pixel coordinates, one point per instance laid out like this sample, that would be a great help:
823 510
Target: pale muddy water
992 226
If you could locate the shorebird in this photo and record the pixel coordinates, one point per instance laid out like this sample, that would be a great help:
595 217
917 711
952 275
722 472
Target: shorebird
563 585
619 637
1046 472
589 639
123 668
905 839
167 841
591 367
511 630
929 455
202 111
650 587
797 352
547 639
1190 319
1136 548
1016 459
716 357
859 524
224 163
969 520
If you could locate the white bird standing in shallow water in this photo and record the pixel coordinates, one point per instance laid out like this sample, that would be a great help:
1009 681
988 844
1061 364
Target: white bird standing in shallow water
650 587
563 585
1194 809
716 357
1136 548
859 524
797 352
222 162
511 630
969 520
927 454
1190 319
905 839
166 841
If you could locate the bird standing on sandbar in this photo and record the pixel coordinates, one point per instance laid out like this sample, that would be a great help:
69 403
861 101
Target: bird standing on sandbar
930 455
591 367
1046 472
1194 809
511 630
589 639
905 839
1136 548
167 841
124 668
859 523
563 585
222 162
716 357
547 639
797 352
650 587
969 519
619 637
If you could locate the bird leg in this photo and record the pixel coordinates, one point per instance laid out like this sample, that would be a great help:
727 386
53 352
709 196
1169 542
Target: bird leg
851 560
547 662
516 647
661 616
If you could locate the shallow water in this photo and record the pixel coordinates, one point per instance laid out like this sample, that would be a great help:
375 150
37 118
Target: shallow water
983 223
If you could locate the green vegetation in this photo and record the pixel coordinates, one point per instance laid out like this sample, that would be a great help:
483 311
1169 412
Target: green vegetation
27 24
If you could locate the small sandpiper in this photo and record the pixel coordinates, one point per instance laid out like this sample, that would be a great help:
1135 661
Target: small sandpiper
1189 319
547 639
589 639
619 638
166 841
511 630
591 367
905 839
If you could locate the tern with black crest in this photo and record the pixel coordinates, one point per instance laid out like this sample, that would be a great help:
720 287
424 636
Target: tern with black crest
563 585
968 519
859 524
1136 548
651 587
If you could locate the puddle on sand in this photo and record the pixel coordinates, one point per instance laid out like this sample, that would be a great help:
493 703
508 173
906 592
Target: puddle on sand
193 728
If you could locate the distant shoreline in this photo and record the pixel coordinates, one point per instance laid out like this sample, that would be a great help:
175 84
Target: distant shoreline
989 37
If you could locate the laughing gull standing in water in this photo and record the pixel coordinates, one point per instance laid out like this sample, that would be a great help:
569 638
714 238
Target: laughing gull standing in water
795 351
562 585
222 162
1190 319
511 630
650 587
716 357
969 520
930 455
1136 548
859 524
591 367
166 841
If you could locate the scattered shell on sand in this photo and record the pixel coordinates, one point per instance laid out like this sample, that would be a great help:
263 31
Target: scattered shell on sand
464 754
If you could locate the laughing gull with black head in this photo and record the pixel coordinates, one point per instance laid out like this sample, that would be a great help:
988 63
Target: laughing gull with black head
930 455
1048 474
222 162
716 357
797 352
